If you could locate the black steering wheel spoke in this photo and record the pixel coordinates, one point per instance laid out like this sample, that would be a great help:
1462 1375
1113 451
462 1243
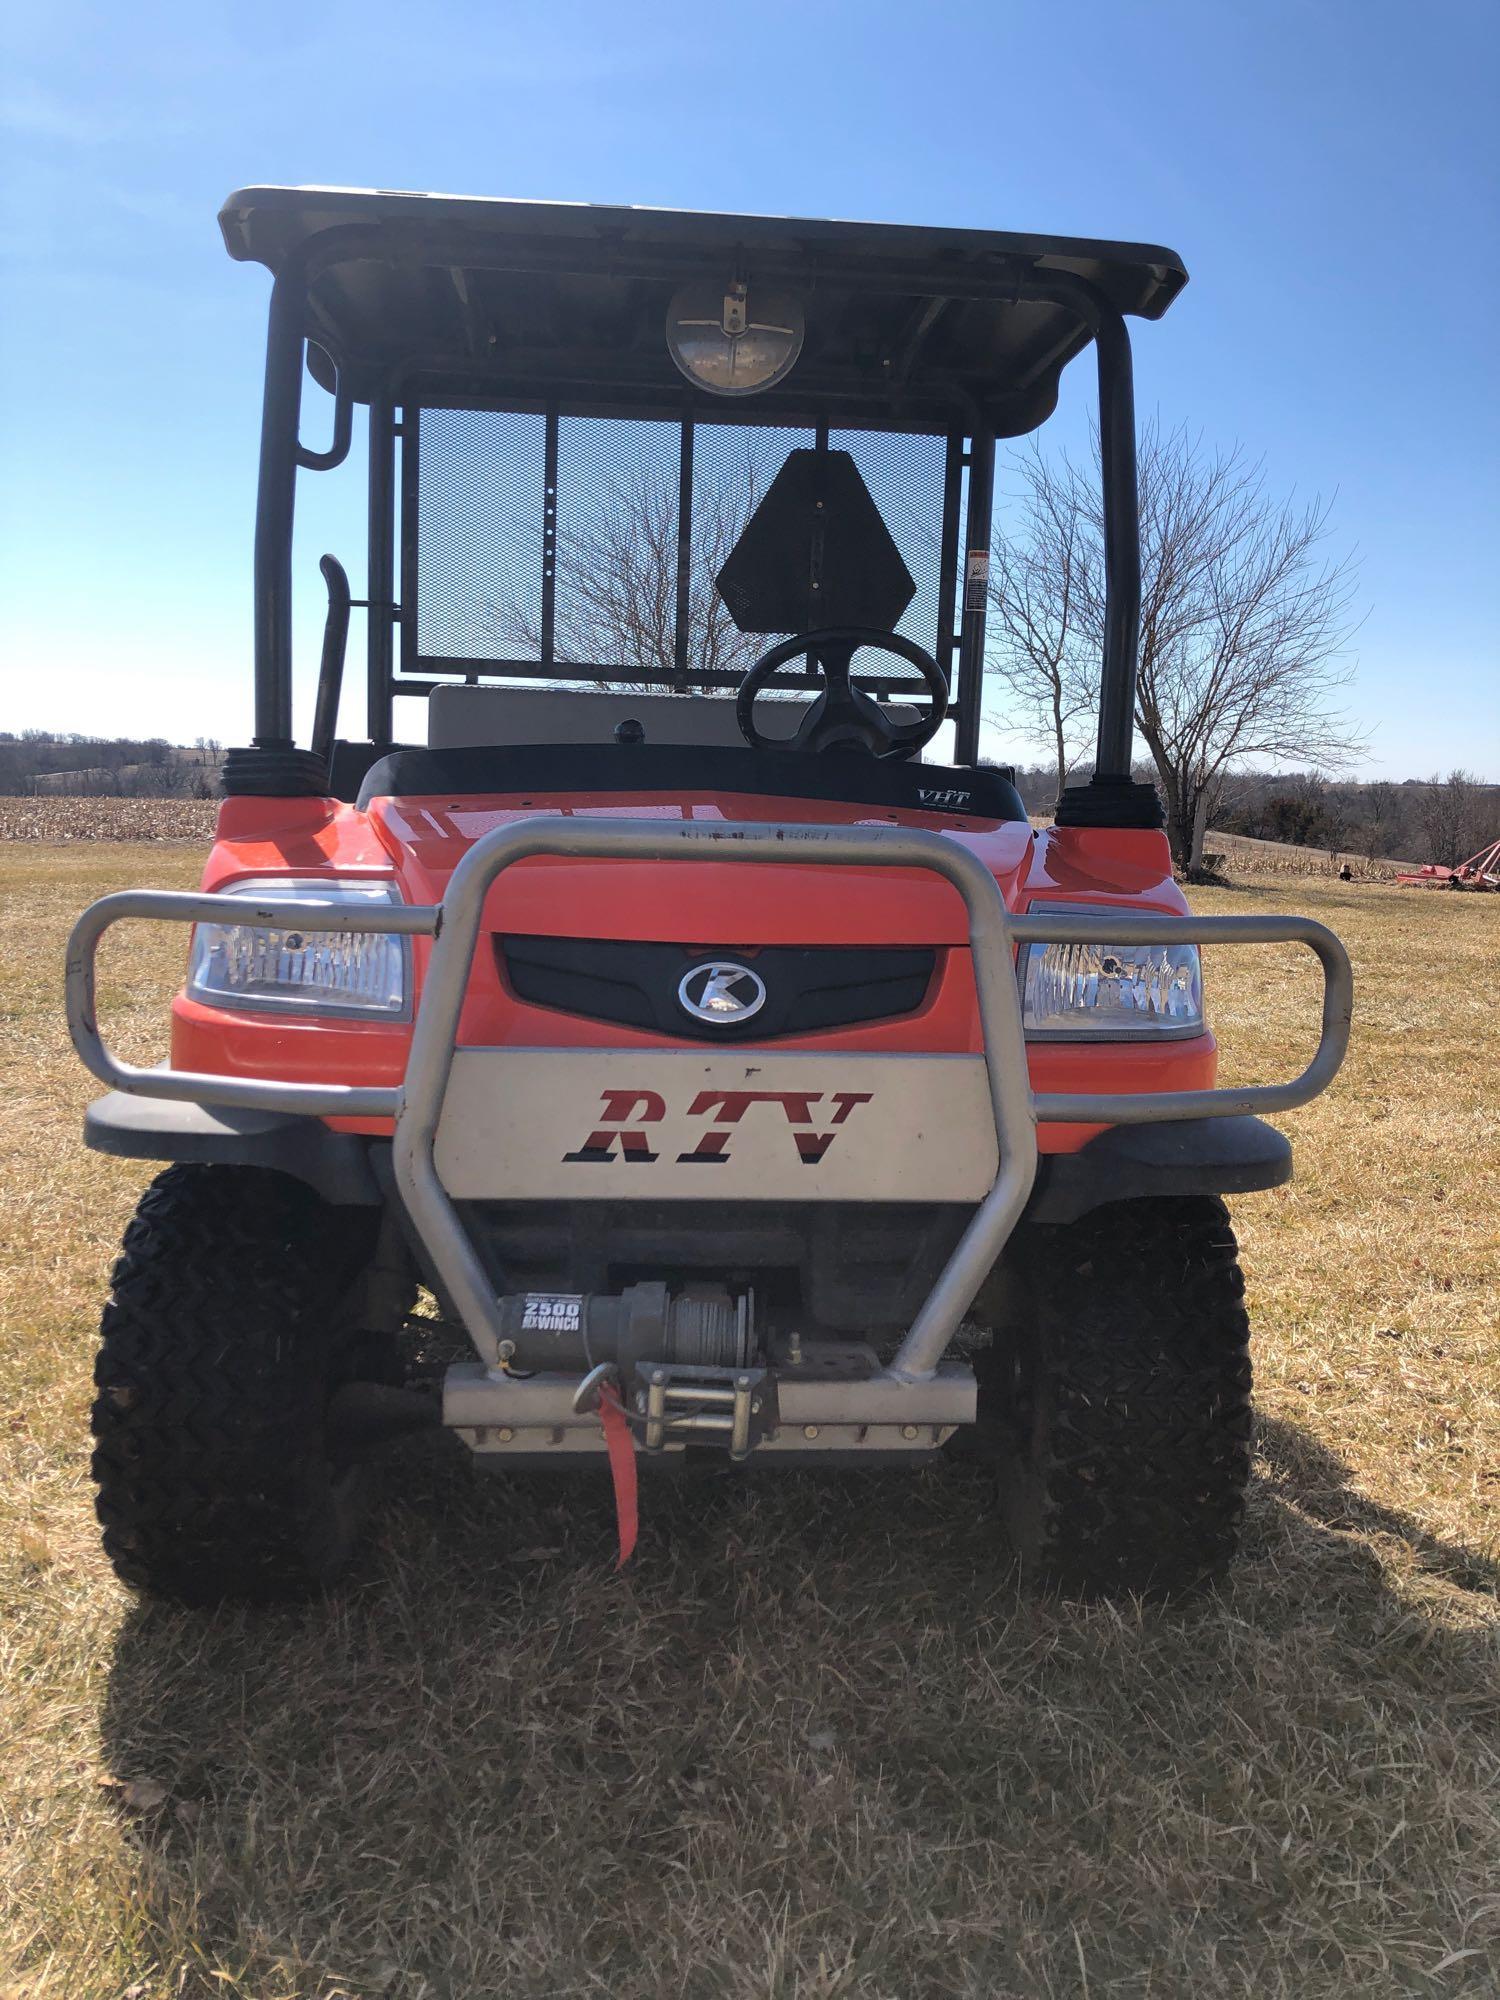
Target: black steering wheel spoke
843 717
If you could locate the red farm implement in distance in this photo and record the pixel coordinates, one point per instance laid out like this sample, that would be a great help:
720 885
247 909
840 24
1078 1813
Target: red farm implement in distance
1480 871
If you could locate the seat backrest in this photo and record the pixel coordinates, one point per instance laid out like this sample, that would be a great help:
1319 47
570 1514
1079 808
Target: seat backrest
464 718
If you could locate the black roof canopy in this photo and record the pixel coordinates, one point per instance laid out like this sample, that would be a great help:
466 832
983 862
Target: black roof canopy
907 327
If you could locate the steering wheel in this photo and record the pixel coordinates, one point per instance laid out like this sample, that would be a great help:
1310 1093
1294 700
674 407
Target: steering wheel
844 717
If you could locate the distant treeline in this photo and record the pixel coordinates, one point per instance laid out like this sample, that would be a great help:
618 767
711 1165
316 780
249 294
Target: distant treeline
1442 819
37 762
1421 819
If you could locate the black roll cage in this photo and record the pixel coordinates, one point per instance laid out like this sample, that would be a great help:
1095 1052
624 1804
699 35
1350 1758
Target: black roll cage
291 331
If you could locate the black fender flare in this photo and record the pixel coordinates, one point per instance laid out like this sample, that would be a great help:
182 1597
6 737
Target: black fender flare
335 1164
1184 1156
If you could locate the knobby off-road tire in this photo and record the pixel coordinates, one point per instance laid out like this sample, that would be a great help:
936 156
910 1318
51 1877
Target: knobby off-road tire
239 1305
1116 1397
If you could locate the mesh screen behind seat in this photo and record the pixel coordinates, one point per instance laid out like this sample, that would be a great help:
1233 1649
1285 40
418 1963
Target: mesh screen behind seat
478 535
589 580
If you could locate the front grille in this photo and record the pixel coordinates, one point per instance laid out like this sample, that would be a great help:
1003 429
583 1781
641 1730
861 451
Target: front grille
636 985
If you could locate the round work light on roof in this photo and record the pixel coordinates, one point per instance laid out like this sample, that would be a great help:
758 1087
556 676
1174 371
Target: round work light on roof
731 341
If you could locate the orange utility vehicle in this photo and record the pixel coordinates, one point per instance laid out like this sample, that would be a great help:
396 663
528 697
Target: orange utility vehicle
743 1085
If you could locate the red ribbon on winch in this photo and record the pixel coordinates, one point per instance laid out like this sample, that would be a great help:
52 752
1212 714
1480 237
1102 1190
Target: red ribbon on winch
621 1448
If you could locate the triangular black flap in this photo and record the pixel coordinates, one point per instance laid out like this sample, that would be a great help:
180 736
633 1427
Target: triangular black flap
815 552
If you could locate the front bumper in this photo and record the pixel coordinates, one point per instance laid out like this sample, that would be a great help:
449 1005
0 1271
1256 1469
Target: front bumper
417 1104
1232 1155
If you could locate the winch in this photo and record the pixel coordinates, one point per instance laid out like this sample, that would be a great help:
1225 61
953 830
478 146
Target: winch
682 1361
702 1326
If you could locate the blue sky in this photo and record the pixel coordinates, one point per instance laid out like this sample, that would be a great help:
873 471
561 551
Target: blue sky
1328 170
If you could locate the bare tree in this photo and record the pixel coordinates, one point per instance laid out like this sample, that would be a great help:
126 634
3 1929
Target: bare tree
1243 628
616 583
1042 636
1452 814
1244 619
1381 801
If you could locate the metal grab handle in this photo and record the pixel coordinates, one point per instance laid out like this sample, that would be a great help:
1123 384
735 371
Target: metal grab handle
1157 1107
343 421
331 665
316 1100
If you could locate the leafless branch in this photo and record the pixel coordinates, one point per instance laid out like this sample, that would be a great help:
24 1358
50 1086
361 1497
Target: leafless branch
1245 620
616 583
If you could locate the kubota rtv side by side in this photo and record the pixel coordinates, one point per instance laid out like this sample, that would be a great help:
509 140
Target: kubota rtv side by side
743 1085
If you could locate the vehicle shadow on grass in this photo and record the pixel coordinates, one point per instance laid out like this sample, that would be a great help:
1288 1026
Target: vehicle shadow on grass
489 1717
1318 1483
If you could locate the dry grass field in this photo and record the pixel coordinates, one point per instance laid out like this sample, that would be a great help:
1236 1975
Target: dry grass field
817 1742
1243 855
59 821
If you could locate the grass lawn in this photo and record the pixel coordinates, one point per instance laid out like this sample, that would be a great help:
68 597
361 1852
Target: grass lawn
817 1741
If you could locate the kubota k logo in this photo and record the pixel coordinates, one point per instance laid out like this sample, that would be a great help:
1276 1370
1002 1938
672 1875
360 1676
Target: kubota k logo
628 1115
721 993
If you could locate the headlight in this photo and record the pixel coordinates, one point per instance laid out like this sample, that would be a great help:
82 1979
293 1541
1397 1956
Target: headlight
1109 992
356 973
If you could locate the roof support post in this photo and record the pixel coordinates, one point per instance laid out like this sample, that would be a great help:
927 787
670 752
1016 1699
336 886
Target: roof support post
947 636
976 585
275 503
380 576
1111 798
1122 547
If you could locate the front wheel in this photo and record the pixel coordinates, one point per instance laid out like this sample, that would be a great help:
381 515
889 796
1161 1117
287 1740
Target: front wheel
1116 1398
239 1306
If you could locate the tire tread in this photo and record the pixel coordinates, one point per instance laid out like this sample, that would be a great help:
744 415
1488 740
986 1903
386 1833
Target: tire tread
1128 1470
226 1327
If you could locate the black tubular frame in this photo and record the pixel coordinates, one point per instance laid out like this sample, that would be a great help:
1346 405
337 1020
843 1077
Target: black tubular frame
380 590
286 339
291 327
977 530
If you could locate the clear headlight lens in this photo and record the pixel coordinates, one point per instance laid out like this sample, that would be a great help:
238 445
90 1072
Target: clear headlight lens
1109 992
304 972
